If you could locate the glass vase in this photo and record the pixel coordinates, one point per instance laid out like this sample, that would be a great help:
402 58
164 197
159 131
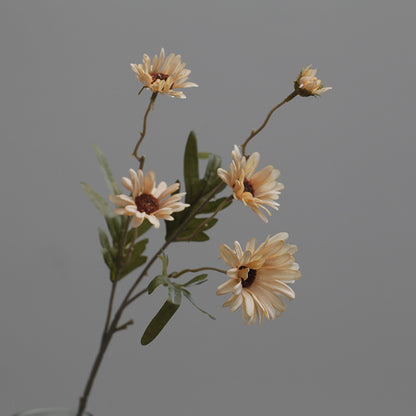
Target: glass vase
56 411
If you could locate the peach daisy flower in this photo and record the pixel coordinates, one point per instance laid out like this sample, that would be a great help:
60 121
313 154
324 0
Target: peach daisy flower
259 277
163 75
146 200
253 189
307 84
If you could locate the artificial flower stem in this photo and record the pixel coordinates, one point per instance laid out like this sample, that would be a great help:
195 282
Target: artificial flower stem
107 335
256 132
200 269
144 129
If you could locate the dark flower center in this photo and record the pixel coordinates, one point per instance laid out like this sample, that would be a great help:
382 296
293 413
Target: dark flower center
159 75
248 187
250 278
146 203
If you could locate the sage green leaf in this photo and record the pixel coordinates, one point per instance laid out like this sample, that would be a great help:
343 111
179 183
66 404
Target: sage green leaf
105 169
108 259
165 263
133 264
104 241
114 225
189 232
187 294
159 322
99 202
157 281
139 247
196 280
191 168
203 155
213 205
211 177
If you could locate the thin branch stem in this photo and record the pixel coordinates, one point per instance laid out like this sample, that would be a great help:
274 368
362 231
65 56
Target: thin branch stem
124 326
144 129
256 132
142 292
177 274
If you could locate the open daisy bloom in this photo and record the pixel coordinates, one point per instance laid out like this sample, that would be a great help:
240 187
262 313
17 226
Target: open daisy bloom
164 75
259 277
307 84
146 200
253 189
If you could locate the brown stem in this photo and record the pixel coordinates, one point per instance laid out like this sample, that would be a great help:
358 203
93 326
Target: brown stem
256 132
144 129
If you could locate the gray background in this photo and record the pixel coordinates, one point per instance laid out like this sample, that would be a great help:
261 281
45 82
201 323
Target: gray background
346 344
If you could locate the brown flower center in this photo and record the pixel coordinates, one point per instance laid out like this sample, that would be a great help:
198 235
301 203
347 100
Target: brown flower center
248 187
250 278
159 75
146 203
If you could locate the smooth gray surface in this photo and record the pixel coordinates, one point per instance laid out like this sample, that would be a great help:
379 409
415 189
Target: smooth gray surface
346 344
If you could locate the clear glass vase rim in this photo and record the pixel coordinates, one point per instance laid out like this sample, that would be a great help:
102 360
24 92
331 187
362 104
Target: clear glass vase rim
50 411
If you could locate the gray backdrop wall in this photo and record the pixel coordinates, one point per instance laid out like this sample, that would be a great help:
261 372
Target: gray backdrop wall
346 345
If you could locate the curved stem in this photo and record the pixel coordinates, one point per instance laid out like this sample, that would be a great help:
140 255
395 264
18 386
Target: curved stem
199 269
144 129
256 132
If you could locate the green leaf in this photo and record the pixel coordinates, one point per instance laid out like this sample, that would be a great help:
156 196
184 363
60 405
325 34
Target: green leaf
211 177
203 155
139 247
191 168
157 281
104 241
196 280
133 264
99 202
191 228
187 294
108 259
114 225
213 205
105 169
159 322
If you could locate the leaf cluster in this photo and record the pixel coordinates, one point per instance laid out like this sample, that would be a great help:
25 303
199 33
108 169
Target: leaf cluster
200 194
173 301
120 247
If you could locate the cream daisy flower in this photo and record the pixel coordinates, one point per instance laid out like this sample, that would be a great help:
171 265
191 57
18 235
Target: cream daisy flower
253 189
259 277
146 200
163 75
307 84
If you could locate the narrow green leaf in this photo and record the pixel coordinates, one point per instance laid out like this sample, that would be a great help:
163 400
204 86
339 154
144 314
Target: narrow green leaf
108 260
187 294
139 247
159 322
114 225
211 177
193 225
99 202
213 205
133 264
157 281
104 241
191 168
105 169
200 278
